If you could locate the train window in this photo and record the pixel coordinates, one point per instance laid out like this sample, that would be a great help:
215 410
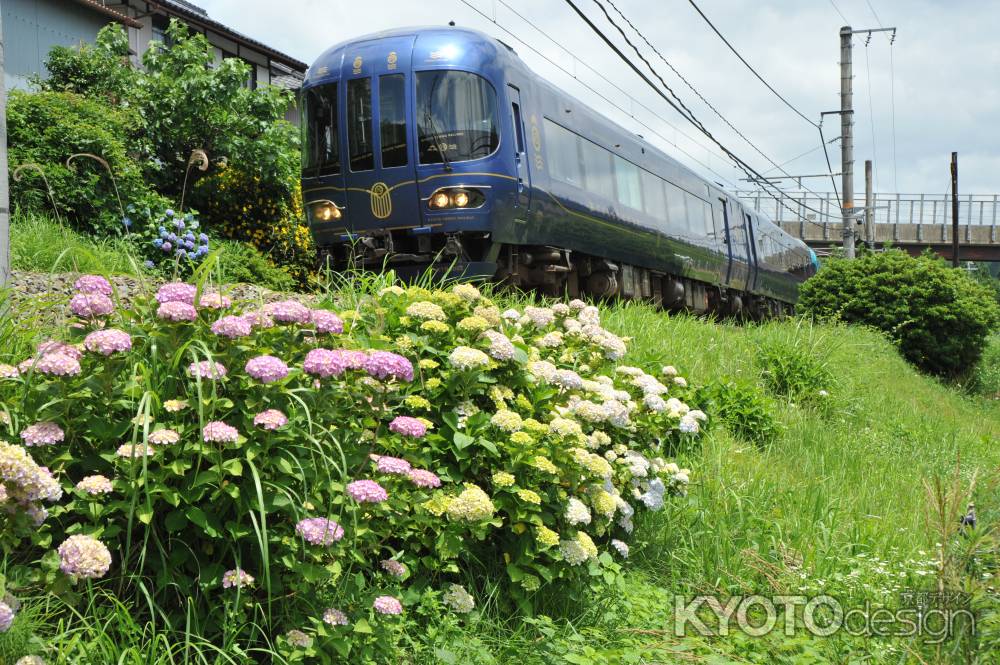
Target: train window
392 119
597 170
676 208
321 144
518 128
359 124
695 217
709 220
456 117
653 200
629 187
562 149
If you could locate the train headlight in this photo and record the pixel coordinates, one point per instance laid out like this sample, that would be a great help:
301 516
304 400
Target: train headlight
450 198
326 211
440 200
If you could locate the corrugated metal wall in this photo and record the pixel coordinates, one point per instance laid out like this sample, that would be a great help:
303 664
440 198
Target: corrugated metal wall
32 27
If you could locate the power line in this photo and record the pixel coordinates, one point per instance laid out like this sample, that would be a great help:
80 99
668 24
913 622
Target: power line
748 65
679 105
837 9
602 77
604 97
686 82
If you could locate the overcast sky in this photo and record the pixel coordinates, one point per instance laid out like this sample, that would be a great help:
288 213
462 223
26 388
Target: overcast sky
946 61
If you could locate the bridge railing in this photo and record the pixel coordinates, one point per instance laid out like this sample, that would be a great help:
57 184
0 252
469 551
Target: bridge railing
911 209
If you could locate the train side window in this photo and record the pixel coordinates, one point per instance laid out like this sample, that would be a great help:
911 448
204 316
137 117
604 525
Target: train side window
321 143
676 208
359 125
392 119
518 128
628 184
709 220
562 151
597 170
653 200
695 218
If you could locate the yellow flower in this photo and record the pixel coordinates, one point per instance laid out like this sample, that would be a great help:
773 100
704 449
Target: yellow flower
427 363
545 464
472 505
529 496
546 537
503 479
438 504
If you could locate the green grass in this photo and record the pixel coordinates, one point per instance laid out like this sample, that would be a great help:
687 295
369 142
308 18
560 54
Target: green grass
835 502
39 244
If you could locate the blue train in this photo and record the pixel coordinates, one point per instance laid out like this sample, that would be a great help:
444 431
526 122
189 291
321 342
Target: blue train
438 147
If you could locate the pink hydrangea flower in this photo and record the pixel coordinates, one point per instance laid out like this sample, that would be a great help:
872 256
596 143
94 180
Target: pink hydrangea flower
236 578
84 557
385 364
393 567
319 531
177 292
366 491
91 305
219 432
129 450
177 311
232 327
206 369
325 363
108 341
386 464
56 364
9 372
408 426
267 369
258 319
287 311
387 605
55 346
270 419
326 321
214 300
42 434
424 478
93 284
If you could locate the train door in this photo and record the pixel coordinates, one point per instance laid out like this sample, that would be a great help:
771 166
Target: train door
380 172
752 261
523 200
736 246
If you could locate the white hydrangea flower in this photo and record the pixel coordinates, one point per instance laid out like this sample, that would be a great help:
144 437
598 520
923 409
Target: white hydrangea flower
551 340
577 512
680 381
689 425
465 358
669 370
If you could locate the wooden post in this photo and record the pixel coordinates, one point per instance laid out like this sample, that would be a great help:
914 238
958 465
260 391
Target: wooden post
954 209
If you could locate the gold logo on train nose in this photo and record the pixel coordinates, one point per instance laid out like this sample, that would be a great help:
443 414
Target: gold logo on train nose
381 200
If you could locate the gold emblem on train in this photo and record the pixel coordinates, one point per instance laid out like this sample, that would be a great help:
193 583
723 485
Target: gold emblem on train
381 200
391 60
357 64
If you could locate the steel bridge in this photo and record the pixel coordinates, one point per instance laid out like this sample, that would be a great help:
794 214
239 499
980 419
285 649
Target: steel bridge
912 222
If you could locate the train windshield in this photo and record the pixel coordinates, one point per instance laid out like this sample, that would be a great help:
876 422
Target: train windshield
456 116
321 147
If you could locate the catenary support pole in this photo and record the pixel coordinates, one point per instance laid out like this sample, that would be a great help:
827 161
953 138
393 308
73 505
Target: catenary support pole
869 210
847 139
4 194
954 209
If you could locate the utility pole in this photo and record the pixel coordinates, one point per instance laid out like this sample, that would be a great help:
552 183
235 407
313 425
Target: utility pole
954 210
869 206
847 129
847 140
4 194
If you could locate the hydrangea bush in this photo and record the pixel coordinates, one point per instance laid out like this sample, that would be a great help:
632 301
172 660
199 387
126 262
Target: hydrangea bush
317 472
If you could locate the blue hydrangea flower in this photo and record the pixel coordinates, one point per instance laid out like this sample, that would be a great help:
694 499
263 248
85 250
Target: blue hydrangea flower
158 243
149 264
127 222
203 238
188 244
169 212
167 247
172 237
181 253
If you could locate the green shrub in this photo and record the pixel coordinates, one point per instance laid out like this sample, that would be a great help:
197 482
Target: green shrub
793 371
530 451
240 262
938 317
745 411
985 379
47 128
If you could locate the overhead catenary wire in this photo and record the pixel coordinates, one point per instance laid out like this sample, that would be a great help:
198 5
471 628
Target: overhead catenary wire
871 115
892 95
682 109
603 97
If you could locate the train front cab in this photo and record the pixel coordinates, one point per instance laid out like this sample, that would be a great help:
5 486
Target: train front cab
410 153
